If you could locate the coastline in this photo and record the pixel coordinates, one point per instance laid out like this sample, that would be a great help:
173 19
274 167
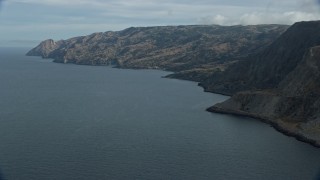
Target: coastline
213 109
276 125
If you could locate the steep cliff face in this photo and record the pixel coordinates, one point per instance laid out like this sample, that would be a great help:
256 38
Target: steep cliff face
175 48
293 107
270 66
44 49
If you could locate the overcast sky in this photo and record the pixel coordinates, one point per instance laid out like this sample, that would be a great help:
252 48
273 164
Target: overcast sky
26 22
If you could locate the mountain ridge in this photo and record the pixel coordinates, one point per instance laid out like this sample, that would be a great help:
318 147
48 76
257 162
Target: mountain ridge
173 48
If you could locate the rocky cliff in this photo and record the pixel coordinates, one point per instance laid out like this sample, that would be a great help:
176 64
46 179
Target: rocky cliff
265 69
288 97
190 50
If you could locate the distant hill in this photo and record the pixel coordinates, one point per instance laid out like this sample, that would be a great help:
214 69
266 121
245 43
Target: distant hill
187 49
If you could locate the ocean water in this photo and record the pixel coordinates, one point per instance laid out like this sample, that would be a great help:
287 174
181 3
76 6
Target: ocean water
64 121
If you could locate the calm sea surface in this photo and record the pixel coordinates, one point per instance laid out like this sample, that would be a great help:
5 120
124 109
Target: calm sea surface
62 121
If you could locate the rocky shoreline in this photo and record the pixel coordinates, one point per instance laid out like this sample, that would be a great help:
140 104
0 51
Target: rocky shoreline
280 128
273 123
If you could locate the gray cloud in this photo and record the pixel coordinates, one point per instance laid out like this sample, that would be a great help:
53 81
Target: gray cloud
65 18
222 12
254 18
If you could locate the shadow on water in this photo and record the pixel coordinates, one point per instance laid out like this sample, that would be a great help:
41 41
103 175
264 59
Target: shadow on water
1 175
317 177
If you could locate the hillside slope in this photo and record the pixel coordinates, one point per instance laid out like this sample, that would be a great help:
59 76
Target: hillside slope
289 100
267 68
200 49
